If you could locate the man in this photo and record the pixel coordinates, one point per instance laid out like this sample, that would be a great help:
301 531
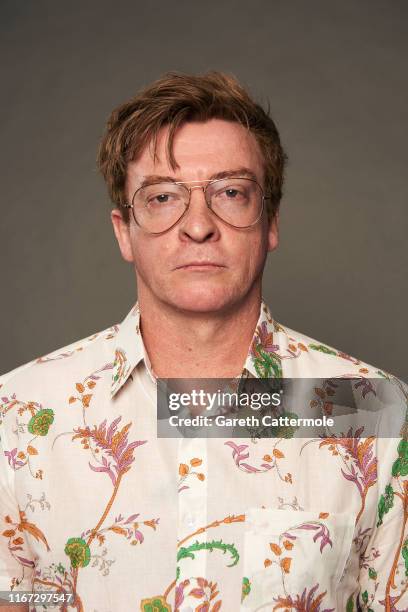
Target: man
93 502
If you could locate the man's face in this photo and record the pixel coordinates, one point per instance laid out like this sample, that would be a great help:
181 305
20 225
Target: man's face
233 259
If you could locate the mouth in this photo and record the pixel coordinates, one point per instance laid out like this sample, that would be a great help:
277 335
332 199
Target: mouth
200 266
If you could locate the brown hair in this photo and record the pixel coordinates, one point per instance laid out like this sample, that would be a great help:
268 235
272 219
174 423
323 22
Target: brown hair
172 100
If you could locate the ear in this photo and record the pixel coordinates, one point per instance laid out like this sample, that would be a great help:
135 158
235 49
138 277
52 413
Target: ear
273 232
122 233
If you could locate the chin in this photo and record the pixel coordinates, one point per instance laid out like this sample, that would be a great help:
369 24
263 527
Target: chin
203 299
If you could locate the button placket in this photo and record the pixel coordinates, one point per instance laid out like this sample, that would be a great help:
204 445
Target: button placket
192 509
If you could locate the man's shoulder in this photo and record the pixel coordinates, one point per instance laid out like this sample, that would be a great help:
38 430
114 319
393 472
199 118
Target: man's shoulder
323 358
63 359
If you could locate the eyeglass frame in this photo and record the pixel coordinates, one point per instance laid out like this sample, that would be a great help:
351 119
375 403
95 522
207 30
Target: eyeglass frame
187 206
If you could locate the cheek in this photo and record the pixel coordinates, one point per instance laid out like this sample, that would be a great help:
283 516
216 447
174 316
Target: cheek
252 253
149 255
142 256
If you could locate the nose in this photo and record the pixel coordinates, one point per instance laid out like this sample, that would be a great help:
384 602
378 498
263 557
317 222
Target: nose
199 223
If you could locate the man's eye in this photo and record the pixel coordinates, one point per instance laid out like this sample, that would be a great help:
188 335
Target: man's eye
161 198
231 193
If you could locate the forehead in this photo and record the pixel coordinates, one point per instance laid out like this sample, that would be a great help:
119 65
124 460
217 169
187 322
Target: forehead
201 149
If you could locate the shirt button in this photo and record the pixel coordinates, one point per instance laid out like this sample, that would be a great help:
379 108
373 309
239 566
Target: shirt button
190 521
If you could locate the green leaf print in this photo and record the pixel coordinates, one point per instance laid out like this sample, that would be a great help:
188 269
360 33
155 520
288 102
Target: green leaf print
40 423
188 551
246 588
404 553
323 349
385 504
156 604
269 365
284 431
78 551
400 465
403 448
372 573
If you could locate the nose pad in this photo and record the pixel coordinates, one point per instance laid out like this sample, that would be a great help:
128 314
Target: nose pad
202 188
198 187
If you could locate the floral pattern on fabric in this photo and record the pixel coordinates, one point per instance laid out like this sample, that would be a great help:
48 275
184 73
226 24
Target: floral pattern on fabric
93 503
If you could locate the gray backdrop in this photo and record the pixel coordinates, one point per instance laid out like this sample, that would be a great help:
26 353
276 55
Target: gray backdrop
335 75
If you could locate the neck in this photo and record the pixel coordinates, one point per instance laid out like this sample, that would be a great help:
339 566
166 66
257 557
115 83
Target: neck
182 344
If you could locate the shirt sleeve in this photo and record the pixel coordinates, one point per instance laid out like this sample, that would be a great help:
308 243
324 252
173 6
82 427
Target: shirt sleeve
16 565
383 576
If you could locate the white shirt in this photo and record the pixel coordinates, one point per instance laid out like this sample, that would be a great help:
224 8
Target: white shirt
93 502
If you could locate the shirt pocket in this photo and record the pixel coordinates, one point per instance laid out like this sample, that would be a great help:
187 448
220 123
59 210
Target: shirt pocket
293 559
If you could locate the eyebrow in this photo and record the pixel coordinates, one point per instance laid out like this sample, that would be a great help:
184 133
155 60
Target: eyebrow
236 172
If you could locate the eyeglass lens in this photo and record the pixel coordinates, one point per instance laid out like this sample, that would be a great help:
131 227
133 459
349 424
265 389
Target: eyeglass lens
238 201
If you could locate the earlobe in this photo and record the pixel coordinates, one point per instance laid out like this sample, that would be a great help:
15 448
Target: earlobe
122 233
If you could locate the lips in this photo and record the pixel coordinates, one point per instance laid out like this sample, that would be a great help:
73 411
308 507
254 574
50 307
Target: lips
199 265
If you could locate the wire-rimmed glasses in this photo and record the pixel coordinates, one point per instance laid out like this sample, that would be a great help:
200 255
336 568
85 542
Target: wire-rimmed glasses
237 201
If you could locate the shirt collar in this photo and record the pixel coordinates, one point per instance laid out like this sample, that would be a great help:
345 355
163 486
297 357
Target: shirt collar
262 359
129 349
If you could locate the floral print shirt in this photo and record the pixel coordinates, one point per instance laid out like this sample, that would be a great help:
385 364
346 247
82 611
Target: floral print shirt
93 503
